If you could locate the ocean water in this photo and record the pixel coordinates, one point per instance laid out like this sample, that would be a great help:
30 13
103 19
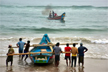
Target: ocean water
86 24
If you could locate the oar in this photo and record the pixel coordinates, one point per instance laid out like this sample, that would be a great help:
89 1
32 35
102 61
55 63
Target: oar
68 43
35 45
49 44
27 53
31 53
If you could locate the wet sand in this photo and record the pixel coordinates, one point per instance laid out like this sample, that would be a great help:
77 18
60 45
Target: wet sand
91 65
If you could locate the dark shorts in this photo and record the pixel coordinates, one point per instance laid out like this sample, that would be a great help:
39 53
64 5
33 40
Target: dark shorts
81 59
25 52
67 57
57 57
9 58
20 51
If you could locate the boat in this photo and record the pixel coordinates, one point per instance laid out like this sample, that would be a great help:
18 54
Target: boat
58 17
42 57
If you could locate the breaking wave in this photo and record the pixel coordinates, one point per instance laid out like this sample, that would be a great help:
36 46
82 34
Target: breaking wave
61 39
73 7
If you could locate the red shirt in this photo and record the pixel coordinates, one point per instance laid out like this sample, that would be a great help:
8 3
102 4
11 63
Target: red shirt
55 14
68 49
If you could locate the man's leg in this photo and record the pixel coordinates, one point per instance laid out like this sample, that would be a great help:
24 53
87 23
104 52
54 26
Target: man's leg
11 63
20 55
55 60
79 61
72 62
57 63
26 57
67 62
75 61
20 51
58 59
6 63
83 61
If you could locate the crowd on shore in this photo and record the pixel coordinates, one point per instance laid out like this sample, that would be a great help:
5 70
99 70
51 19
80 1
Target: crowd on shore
71 60
75 51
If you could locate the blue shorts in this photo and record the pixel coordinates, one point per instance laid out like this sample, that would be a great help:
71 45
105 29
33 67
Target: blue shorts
25 52
20 51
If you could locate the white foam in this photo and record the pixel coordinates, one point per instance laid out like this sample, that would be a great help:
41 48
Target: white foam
101 41
60 39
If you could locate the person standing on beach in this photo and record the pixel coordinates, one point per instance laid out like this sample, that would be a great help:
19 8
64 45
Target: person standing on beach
10 58
26 50
57 50
74 55
81 51
67 55
20 44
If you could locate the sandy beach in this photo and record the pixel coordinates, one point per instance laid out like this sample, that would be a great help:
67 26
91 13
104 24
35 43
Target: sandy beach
91 65
84 22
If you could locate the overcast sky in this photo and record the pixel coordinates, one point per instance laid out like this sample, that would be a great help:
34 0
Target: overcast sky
56 2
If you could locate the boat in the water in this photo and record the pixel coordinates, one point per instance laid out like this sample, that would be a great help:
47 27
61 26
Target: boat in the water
42 57
57 17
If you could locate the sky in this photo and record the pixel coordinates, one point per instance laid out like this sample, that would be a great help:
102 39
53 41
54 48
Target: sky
56 2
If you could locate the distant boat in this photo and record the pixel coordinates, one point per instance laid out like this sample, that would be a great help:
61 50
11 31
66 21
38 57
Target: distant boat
42 57
57 17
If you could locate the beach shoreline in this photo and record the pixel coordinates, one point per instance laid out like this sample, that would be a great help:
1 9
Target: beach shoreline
91 65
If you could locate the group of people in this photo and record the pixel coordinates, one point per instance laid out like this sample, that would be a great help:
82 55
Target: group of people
57 50
20 45
52 14
75 51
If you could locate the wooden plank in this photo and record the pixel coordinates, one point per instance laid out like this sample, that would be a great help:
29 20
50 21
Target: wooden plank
68 43
27 53
36 45
66 52
50 46
43 50
32 53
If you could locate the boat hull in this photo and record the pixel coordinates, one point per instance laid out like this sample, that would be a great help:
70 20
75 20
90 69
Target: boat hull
38 58
42 57
55 18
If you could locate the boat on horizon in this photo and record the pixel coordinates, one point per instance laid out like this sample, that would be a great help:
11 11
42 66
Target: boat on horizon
61 17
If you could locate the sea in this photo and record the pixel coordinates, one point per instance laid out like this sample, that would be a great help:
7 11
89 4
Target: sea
83 24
